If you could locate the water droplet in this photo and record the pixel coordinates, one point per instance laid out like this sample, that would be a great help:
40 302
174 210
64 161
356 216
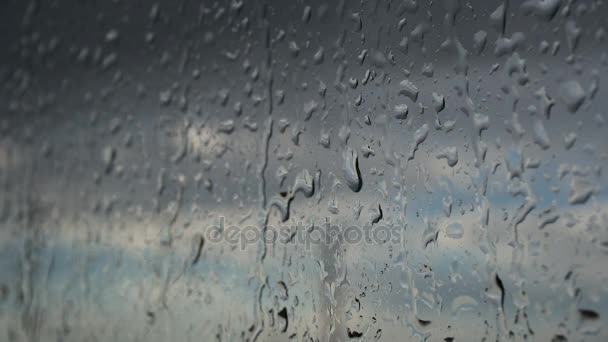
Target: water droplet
226 126
540 135
438 102
108 155
375 215
419 137
350 167
479 41
401 111
580 190
303 183
569 140
450 154
572 94
455 230
408 89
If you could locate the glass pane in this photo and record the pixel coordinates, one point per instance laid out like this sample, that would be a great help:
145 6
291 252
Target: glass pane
303 170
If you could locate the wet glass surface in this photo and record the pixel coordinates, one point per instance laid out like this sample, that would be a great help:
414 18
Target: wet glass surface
303 170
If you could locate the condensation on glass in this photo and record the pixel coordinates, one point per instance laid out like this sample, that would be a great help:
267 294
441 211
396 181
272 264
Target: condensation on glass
281 170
